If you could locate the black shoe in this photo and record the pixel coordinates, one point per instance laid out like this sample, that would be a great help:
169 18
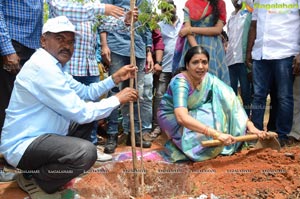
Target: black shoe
146 144
285 142
111 143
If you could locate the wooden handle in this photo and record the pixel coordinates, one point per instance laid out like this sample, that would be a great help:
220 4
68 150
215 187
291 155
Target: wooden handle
248 137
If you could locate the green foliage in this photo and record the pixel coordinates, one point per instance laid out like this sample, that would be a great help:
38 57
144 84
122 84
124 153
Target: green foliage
149 15
46 12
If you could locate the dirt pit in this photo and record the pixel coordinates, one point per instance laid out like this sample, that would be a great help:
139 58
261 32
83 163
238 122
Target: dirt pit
263 173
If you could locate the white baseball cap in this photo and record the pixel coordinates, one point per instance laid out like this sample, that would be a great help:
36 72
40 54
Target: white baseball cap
59 24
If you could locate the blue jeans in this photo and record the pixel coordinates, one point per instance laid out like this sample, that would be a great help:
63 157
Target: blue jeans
146 103
161 85
278 73
117 61
238 73
86 80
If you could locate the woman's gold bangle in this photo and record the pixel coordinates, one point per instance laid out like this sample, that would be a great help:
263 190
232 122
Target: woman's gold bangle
215 135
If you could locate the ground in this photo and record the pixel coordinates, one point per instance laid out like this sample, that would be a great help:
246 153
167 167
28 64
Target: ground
250 173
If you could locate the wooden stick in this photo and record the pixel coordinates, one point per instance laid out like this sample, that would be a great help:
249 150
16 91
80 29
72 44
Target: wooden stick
131 107
249 137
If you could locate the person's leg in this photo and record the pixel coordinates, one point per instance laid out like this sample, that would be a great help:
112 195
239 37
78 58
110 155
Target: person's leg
86 80
262 74
162 84
58 159
271 125
125 108
146 103
234 77
117 61
245 88
295 132
283 74
6 86
140 86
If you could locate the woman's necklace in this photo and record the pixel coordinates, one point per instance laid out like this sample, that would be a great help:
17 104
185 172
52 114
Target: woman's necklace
193 82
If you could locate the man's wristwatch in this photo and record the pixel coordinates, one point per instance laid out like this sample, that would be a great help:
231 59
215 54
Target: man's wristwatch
159 63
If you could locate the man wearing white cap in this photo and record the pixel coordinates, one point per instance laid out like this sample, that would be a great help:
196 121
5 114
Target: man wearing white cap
38 136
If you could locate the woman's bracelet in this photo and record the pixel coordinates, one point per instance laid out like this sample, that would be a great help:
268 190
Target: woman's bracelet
216 135
213 134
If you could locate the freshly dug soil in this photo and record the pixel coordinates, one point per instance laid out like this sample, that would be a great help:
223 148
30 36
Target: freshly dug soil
251 173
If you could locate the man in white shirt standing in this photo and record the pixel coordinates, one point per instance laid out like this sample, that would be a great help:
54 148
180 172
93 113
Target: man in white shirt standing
48 120
238 28
274 32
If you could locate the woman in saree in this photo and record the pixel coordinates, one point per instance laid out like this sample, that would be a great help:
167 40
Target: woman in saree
203 24
198 106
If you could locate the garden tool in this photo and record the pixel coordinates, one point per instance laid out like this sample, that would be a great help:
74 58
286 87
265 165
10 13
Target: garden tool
270 142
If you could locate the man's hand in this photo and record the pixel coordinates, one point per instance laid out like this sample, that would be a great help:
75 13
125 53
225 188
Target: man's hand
128 15
11 63
113 10
105 54
296 64
157 69
127 95
124 73
248 61
149 61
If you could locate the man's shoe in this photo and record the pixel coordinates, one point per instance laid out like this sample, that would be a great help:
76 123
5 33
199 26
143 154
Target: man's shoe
111 143
34 191
286 142
102 157
152 135
7 176
146 144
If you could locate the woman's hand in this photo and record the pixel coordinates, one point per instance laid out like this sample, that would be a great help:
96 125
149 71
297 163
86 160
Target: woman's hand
185 31
253 130
227 139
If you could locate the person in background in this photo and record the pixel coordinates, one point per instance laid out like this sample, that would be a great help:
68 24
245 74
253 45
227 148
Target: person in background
187 112
150 82
83 65
238 27
48 120
295 132
203 24
20 33
169 34
115 49
272 62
